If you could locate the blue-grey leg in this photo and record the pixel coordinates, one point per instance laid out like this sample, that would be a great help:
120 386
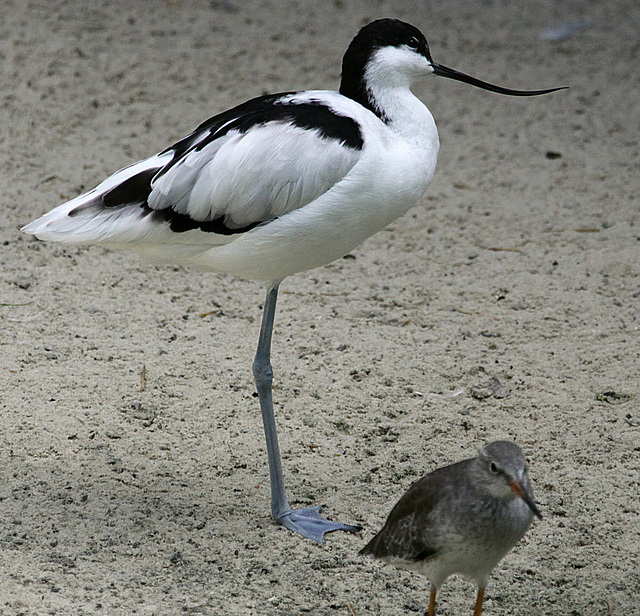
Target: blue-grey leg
308 522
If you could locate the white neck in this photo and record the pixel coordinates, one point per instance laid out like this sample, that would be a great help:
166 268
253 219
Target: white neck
388 77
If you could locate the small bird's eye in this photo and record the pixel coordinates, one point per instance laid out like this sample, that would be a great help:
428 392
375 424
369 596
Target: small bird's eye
413 43
493 467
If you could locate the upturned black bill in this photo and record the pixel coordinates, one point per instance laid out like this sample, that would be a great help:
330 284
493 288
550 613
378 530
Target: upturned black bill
444 71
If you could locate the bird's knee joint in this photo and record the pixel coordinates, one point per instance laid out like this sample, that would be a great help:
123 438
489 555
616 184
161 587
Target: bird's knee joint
263 374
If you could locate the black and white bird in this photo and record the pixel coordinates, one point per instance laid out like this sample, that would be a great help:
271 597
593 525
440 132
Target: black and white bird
462 518
277 185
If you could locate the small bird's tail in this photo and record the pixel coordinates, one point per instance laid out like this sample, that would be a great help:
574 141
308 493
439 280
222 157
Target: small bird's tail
370 548
113 212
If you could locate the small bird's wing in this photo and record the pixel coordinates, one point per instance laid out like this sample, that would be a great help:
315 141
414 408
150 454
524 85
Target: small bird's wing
237 170
414 526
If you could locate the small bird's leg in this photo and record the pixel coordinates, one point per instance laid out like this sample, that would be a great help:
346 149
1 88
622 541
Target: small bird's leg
431 611
308 521
479 599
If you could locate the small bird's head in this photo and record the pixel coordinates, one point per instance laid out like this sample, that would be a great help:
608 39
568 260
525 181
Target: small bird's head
385 53
390 52
503 471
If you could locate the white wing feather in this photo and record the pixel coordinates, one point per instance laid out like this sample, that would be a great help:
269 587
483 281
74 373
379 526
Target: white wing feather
251 177
84 220
241 178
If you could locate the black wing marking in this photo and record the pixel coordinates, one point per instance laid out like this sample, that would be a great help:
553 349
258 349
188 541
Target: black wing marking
311 115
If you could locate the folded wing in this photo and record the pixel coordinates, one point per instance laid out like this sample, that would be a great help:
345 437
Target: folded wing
238 170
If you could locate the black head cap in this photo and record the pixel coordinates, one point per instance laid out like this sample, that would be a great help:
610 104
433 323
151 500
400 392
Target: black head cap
387 33
376 35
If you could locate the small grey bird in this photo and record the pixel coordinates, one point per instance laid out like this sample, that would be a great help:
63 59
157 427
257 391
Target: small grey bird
461 518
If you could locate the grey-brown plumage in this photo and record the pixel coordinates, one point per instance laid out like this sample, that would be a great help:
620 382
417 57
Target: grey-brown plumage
461 518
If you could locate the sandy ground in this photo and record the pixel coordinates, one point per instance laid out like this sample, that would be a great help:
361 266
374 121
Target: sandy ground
505 305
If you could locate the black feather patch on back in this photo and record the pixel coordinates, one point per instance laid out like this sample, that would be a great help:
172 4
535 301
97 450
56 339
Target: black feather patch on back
312 115
135 189
265 109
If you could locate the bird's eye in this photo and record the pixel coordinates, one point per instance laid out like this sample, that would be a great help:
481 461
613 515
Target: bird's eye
413 43
493 467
